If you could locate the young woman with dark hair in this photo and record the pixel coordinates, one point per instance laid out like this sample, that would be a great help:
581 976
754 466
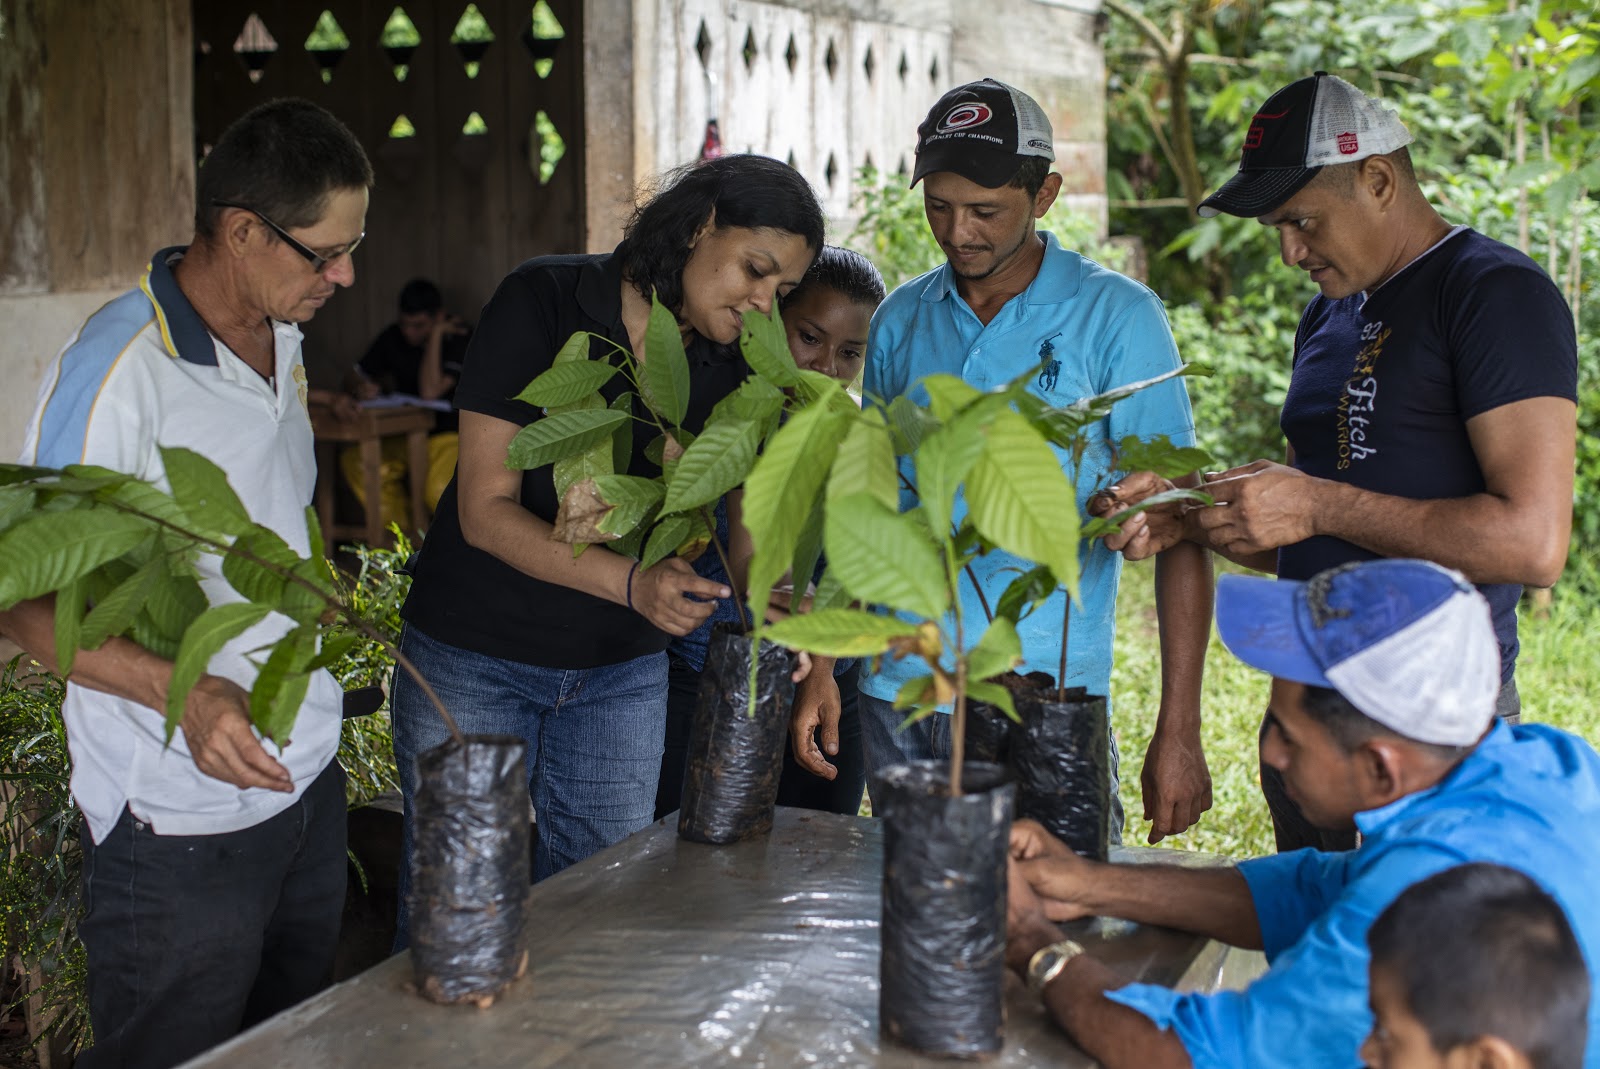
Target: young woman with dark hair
826 319
517 635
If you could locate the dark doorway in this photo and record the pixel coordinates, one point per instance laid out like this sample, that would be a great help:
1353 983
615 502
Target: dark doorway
472 115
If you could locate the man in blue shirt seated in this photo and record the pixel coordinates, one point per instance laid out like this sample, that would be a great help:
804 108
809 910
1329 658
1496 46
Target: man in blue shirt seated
1381 718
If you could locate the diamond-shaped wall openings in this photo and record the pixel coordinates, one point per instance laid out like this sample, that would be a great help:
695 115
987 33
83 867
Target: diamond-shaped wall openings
327 44
749 52
255 46
551 146
702 46
869 63
472 38
905 66
542 38
830 59
399 41
791 54
831 171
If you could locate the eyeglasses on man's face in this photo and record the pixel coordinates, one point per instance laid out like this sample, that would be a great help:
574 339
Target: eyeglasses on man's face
319 260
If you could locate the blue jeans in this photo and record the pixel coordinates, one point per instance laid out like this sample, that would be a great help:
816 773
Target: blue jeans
192 938
929 738
594 740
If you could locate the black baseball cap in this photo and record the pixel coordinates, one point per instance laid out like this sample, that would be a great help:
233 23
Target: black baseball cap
982 131
1302 128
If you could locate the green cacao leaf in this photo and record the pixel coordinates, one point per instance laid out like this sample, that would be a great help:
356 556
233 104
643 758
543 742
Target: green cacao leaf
948 395
1024 592
594 461
910 424
883 557
280 686
562 384
998 651
665 539
715 463
622 437
1020 500
114 613
202 492
993 694
765 345
780 492
70 605
47 550
214 629
630 496
556 437
665 376
839 632
865 464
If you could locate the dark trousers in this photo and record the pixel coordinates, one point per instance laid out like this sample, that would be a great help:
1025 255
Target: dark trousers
1293 831
797 787
193 938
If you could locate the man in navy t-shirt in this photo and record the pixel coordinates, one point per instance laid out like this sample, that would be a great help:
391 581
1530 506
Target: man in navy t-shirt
1432 408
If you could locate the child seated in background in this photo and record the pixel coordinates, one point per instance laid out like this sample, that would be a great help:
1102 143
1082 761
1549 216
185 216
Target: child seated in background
417 358
826 318
1476 967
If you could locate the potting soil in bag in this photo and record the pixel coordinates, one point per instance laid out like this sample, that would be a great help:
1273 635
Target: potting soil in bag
944 907
1061 758
730 786
470 868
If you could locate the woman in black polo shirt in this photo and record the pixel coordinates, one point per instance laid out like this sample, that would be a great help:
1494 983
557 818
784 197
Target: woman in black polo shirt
516 635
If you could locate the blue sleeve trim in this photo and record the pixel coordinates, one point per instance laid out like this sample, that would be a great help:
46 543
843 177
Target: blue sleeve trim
84 368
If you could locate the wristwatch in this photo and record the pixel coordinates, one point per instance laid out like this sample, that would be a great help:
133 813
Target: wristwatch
1048 961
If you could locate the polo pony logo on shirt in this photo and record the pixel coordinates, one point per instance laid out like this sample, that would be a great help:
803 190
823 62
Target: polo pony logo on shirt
1051 372
300 386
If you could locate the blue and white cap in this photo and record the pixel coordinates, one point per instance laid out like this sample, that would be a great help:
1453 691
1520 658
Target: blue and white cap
1407 642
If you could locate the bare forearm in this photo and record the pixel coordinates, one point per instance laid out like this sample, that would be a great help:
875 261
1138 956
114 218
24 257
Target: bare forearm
1490 539
504 529
1183 616
1214 902
1114 1035
120 666
1265 561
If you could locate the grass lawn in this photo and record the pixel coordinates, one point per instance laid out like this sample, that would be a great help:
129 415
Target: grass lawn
1555 673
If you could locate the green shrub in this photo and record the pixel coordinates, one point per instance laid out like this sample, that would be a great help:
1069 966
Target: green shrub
41 859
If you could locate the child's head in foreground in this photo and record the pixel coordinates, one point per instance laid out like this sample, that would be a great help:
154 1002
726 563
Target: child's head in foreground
1476 967
827 315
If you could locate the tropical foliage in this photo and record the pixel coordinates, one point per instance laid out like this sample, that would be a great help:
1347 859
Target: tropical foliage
1501 98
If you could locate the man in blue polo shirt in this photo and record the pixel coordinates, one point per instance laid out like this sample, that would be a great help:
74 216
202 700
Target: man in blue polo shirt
1009 299
1382 719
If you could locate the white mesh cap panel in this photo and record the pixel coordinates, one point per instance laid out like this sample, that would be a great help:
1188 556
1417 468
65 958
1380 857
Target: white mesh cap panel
1347 125
1034 135
1435 680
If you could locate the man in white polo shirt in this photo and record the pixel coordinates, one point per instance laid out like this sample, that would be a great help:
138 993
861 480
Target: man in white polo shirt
214 871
